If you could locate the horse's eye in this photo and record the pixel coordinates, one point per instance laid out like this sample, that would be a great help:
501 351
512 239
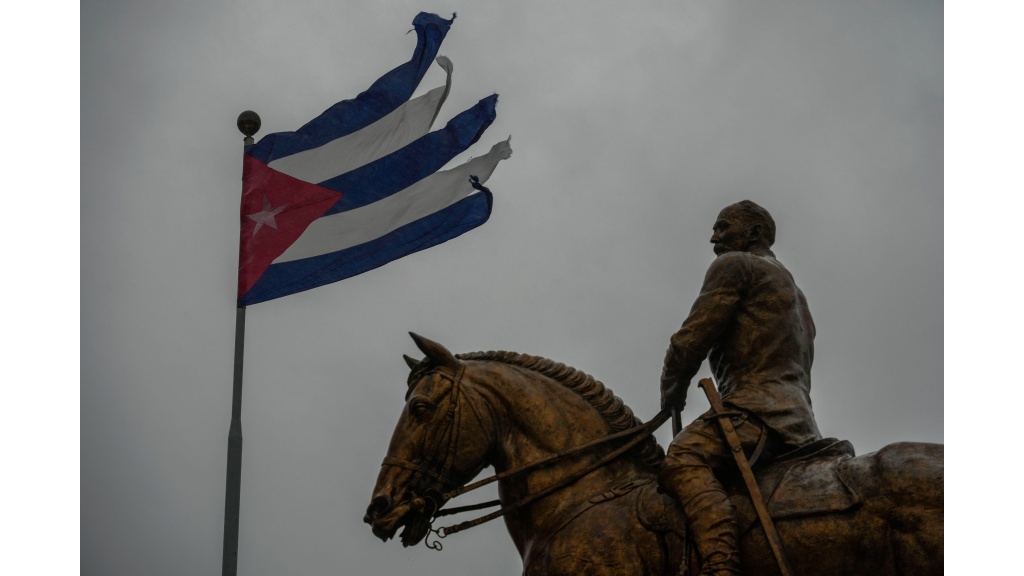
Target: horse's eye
420 409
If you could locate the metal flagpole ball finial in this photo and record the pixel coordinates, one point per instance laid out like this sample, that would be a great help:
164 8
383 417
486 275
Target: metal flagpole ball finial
248 124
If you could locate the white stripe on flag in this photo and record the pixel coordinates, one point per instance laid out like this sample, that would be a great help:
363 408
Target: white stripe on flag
402 126
432 194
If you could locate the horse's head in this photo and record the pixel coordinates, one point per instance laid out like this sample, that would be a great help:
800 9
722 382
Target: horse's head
438 445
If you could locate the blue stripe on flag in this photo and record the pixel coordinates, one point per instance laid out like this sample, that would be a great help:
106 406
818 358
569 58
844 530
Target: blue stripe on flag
300 275
403 168
347 116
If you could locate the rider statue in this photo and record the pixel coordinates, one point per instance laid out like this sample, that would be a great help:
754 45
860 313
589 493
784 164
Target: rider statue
752 324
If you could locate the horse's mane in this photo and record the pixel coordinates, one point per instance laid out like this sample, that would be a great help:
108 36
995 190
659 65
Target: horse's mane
614 411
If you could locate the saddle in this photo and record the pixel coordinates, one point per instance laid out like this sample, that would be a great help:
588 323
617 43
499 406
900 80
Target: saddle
805 482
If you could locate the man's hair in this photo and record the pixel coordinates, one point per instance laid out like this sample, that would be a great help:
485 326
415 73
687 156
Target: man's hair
755 214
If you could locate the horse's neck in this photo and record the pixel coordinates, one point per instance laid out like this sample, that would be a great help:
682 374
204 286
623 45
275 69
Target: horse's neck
537 418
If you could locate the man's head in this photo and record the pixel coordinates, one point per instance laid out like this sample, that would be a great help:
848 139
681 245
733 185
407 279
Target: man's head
743 227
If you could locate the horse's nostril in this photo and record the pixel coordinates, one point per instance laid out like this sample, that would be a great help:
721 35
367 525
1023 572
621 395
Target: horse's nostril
378 505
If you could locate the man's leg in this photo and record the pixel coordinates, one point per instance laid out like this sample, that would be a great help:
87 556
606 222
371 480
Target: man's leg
689 476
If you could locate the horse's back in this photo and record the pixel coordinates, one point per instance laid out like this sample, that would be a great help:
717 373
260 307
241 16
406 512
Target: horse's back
906 472
876 514
892 526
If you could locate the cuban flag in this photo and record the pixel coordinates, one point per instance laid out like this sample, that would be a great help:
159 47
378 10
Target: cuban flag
361 184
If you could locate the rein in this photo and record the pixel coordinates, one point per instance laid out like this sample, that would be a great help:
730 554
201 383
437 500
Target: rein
453 420
642 432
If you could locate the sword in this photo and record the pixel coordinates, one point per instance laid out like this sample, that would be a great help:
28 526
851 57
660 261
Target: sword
725 423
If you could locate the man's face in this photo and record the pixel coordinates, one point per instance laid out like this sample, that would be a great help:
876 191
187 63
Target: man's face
730 233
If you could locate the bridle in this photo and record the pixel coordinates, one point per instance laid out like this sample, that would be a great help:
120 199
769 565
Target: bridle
435 497
447 438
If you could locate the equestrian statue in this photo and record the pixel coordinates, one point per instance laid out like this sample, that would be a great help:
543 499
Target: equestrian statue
748 488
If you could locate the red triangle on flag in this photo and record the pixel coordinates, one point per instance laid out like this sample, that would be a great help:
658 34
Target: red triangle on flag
276 209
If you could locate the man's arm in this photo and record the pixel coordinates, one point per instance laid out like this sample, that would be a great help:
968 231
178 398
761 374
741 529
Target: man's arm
724 287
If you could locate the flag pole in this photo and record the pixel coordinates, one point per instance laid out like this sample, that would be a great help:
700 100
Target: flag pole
248 124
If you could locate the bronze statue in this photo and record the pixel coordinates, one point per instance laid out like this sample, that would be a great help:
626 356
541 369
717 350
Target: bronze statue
752 323
576 478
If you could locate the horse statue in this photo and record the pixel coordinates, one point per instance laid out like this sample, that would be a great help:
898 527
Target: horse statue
576 480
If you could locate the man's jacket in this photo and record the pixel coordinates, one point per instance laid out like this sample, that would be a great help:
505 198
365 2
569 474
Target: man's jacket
752 323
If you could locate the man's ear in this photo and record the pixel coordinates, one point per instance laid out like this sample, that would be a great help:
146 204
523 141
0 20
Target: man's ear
754 233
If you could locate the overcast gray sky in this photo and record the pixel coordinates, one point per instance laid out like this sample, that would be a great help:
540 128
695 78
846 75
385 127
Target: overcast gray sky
632 126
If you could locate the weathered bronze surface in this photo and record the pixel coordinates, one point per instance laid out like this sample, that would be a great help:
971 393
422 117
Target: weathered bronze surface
878 514
752 323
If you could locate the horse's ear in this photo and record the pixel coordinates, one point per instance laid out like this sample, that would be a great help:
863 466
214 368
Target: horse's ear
439 355
412 362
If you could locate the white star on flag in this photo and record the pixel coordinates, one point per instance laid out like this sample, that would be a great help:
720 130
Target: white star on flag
266 216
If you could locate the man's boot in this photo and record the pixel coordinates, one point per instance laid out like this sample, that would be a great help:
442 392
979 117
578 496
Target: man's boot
711 517
713 522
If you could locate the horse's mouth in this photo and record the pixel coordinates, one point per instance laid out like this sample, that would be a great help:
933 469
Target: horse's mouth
384 526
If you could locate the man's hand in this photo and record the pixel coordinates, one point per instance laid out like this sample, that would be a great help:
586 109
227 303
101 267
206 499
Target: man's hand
673 393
